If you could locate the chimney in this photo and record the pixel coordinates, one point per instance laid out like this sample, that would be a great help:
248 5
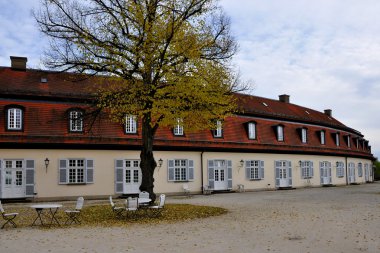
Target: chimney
328 112
284 98
18 63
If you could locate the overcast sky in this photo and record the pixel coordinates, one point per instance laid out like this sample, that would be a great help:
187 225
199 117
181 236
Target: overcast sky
325 54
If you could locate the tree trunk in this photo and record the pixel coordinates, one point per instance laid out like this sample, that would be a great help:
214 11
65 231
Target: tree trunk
147 164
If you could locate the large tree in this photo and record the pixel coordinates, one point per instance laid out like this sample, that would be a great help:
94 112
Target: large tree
168 61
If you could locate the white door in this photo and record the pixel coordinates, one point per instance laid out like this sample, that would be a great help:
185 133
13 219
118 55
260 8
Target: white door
283 174
13 179
132 179
325 173
220 175
351 173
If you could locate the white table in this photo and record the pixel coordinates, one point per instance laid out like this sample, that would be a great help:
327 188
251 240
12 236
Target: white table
51 211
143 201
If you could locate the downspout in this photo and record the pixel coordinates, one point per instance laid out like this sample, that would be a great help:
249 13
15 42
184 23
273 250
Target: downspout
346 171
202 173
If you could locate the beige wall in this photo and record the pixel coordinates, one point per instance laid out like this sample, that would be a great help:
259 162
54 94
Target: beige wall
46 181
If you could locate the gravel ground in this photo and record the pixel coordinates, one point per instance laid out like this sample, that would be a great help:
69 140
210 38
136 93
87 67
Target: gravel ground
335 219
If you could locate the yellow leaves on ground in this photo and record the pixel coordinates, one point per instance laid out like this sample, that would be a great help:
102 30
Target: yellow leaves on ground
102 215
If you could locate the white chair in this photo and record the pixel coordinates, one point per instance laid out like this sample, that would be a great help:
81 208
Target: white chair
9 217
118 210
186 189
73 215
157 210
144 195
132 206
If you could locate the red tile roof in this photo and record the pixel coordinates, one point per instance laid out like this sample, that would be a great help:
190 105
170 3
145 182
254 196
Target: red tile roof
46 120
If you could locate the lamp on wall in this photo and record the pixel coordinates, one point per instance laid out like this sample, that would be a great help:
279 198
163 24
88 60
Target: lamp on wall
300 162
241 163
159 163
47 163
337 163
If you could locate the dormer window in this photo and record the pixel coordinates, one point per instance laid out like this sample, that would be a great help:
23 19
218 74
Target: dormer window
130 124
178 129
280 133
251 130
218 132
348 141
14 119
357 143
76 120
337 140
304 135
323 137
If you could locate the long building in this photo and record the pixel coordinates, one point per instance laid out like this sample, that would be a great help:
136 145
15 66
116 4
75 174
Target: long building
52 146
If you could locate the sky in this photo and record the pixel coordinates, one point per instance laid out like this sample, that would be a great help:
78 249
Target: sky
325 54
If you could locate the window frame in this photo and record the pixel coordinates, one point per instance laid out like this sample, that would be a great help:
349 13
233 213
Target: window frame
17 108
255 168
77 171
307 169
322 136
339 169
304 135
65 168
76 120
252 130
178 128
360 169
280 134
181 173
218 132
130 126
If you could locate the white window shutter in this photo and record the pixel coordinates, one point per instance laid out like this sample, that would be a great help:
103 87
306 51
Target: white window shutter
29 178
261 170
248 169
89 171
229 174
320 171
62 171
211 175
191 170
170 170
303 169
311 169
277 172
290 173
119 176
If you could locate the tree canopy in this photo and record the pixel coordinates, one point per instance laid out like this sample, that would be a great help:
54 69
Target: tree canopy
168 61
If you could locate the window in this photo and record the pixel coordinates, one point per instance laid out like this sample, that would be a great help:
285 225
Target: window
178 129
252 130
254 169
337 139
130 124
76 171
280 133
180 170
360 169
306 169
76 121
339 169
357 143
304 135
323 138
348 141
218 132
15 119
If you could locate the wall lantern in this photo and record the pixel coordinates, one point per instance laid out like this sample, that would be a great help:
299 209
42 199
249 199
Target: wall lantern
241 163
160 163
337 164
300 163
47 163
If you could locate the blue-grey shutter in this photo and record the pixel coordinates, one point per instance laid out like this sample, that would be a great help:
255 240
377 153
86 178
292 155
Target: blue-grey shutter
248 169
62 171
89 171
311 169
329 173
29 178
119 176
261 169
320 171
277 164
229 174
170 170
290 173
191 170
211 175
302 169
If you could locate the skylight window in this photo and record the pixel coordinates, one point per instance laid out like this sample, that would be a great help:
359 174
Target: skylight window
265 104
307 112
